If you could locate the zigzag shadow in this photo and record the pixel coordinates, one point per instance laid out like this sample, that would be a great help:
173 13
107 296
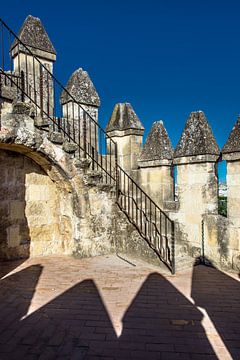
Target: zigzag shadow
160 323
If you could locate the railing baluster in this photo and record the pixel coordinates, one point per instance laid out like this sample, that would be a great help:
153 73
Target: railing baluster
2 47
22 86
84 135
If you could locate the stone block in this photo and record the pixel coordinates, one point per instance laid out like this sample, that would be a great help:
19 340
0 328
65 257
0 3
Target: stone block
82 163
236 261
17 209
13 236
69 147
41 122
23 108
37 193
56 137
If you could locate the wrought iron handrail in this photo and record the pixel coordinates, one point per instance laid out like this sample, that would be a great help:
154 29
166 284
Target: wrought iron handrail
153 224
160 232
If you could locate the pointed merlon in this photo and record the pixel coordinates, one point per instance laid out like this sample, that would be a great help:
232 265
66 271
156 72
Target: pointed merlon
124 118
197 138
81 88
33 34
158 146
233 143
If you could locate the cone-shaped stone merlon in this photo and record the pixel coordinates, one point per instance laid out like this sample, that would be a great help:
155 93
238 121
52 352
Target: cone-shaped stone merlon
33 34
124 118
233 143
158 146
81 88
197 138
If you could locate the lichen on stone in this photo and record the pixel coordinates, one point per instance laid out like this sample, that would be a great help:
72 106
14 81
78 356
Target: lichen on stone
233 142
124 118
81 88
197 137
32 33
158 146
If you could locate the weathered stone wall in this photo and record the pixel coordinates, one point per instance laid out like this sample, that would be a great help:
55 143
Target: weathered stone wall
64 207
158 183
197 195
30 209
129 145
128 243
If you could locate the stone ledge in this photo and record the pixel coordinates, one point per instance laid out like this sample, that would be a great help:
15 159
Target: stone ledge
122 133
40 122
171 205
82 163
23 109
56 137
69 147
234 156
154 163
195 159
92 178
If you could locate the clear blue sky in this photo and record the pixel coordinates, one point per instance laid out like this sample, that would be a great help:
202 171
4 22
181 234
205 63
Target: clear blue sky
167 58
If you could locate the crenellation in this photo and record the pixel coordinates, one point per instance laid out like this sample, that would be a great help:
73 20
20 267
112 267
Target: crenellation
155 165
126 130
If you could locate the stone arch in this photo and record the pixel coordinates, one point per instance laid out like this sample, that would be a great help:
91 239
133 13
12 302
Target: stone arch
36 200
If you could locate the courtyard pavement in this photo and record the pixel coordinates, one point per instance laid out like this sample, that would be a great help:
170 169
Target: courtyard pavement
107 308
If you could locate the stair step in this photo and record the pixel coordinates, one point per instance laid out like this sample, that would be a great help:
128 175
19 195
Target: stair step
69 147
56 137
41 123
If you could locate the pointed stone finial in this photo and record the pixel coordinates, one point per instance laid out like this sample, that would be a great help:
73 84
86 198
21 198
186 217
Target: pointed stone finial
33 35
158 146
80 86
197 138
124 118
233 143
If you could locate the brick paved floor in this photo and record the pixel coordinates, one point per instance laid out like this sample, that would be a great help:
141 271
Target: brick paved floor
105 308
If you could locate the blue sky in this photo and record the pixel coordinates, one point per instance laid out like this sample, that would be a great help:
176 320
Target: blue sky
167 58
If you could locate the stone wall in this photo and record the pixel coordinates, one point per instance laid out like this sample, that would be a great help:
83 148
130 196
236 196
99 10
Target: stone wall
30 209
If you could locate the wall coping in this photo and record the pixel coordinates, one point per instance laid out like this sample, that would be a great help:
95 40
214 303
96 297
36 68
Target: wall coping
154 163
195 159
233 156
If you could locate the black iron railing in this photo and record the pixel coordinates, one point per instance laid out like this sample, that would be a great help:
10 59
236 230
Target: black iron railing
37 85
152 223
34 83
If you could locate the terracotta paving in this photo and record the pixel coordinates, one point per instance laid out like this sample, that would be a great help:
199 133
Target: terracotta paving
105 308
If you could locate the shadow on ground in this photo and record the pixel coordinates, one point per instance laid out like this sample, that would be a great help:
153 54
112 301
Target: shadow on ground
219 295
159 324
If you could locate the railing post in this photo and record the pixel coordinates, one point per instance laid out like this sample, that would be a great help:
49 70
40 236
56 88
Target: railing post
41 90
173 247
22 86
116 169
0 101
84 135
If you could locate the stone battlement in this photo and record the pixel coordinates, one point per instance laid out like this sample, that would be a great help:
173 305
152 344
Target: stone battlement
53 199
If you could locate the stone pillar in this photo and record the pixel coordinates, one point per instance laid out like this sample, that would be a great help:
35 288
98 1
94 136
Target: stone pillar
35 79
155 163
231 153
195 156
126 130
86 98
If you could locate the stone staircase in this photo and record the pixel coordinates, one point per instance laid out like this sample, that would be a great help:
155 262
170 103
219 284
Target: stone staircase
75 129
